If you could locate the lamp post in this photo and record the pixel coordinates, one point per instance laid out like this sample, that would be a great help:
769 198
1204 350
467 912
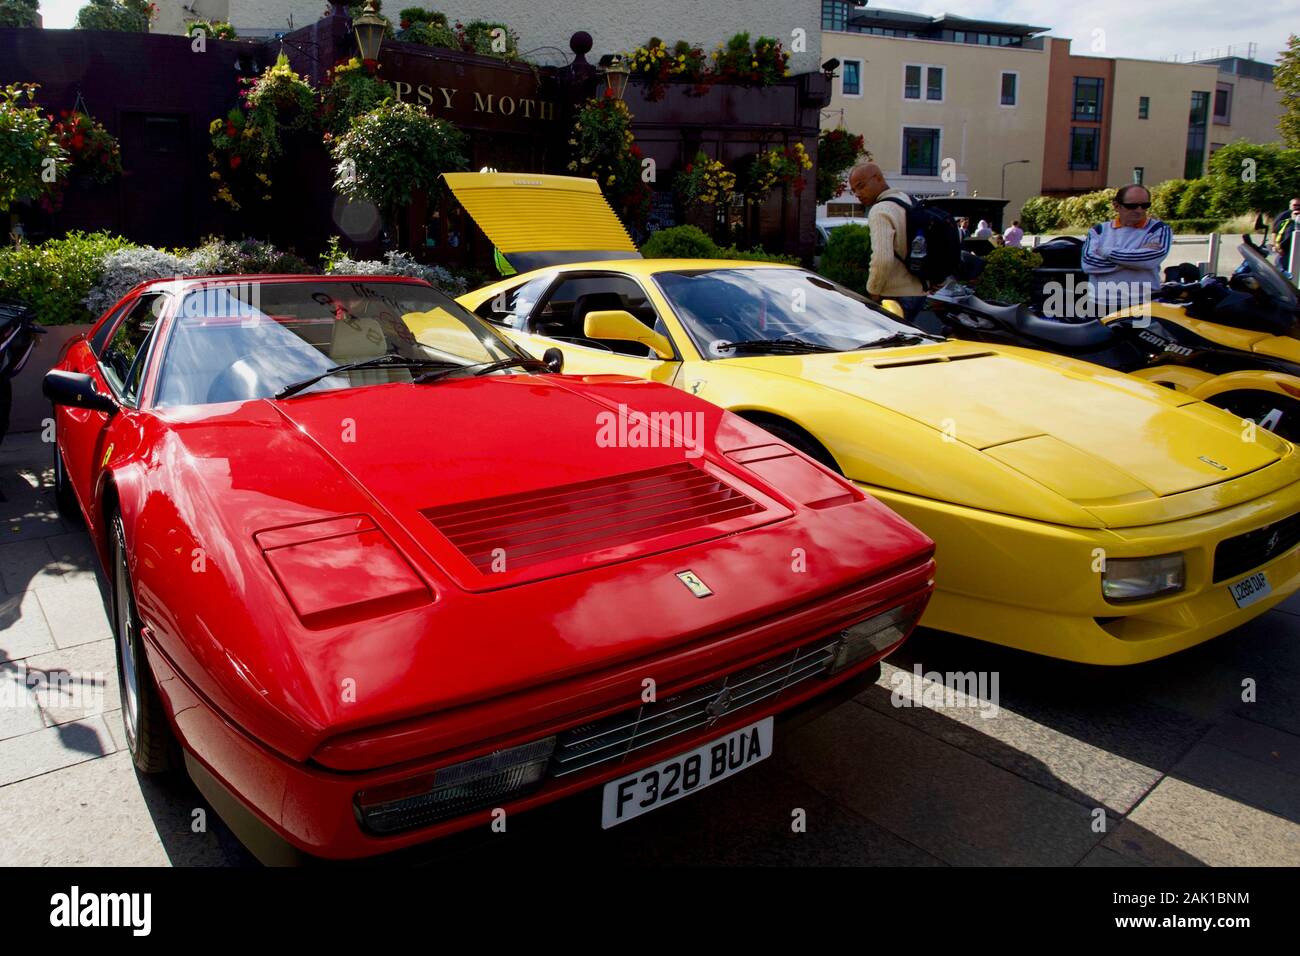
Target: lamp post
616 73
1014 162
370 28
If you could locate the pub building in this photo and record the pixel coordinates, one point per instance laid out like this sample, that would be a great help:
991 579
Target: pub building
158 97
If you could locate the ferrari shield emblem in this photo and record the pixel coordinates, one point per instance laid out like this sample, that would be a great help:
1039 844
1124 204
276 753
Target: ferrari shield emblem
692 581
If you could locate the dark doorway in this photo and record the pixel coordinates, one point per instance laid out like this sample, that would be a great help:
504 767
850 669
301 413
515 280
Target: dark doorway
155 194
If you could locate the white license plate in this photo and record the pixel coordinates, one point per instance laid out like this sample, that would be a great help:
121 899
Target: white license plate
1249 590
686 773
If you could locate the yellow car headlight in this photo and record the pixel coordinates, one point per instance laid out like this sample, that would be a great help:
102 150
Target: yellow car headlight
1140 579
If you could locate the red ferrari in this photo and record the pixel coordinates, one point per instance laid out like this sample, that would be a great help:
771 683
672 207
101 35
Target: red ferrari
379 576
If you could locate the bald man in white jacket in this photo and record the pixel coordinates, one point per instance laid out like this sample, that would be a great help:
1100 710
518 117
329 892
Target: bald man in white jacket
888 277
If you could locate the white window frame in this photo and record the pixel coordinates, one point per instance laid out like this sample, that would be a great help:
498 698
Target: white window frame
1016 104
925 69
902 150
861 83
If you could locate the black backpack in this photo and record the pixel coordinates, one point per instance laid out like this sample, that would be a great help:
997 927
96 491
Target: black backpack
933 242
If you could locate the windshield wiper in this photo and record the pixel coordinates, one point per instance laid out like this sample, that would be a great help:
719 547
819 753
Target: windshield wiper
483 368
777 345
900 338
380 361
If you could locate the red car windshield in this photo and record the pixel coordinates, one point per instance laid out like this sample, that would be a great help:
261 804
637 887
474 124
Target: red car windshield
245 340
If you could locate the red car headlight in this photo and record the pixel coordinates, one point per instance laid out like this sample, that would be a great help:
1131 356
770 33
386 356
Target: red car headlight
339 568
876 634
461 788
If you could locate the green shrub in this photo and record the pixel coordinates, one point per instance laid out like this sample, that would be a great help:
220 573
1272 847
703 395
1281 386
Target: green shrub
1008 275
680 242
1088 209
756 255
1197 201
241 257
1041 214
847 259
1166 197
1200 226
1274 177
54 277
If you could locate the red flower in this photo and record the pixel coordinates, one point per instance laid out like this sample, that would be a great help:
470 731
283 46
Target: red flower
65 113
609 94
235 161
78 141
230 128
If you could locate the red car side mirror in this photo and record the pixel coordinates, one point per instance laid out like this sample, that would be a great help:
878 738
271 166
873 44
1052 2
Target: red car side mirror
75 390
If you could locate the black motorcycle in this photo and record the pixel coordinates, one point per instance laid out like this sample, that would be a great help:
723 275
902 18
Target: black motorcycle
18 334
1232 341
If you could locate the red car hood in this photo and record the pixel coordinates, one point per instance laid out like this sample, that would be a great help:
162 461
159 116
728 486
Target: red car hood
415 459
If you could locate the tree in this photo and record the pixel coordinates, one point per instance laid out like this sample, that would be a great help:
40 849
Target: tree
1287 80
127 16
31 160
19 13
1252 177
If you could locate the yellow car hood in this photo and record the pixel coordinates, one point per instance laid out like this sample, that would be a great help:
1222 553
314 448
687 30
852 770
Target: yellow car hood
1093 436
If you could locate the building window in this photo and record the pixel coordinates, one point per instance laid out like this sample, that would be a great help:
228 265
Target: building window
1084 143
851 79
1010 92
1144 107
1198 121
835 14
1223 104
1139 174
934 84
920 152
1087 97
912 83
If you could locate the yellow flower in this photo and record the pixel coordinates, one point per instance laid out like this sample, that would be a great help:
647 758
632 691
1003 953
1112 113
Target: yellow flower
214 126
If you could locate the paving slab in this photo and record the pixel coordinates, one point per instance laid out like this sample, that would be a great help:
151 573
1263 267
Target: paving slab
1071 757
75 611
1180 824
53 749
76 682
19 712
955 806
28 564
23 629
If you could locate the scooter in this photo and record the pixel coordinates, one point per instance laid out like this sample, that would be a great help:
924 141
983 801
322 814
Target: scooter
1233 342
18 334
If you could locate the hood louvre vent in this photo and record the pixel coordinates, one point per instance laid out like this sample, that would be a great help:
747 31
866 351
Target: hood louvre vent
552 523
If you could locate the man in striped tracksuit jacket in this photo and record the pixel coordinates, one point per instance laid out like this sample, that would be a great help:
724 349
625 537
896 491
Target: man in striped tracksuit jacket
1123 257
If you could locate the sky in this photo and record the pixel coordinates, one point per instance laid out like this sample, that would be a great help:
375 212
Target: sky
1149 29
1146 29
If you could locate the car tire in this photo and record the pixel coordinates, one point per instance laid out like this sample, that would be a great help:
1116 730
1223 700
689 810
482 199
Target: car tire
149 737
801 440
65 499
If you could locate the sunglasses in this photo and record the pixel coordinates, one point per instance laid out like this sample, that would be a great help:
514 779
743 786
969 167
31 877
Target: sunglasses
1136 205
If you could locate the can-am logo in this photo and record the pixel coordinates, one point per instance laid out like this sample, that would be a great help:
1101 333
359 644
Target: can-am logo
1163 344
73 909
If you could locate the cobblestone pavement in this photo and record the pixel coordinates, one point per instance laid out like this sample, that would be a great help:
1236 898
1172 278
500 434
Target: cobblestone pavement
1168 755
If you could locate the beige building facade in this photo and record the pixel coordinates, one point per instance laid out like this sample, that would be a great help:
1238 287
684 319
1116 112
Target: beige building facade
1154 135
941 117
1246 103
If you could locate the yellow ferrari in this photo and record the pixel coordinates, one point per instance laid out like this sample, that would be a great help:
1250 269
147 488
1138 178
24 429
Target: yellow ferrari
1078 512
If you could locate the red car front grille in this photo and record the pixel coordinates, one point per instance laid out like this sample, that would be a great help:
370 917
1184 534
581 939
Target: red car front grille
545 525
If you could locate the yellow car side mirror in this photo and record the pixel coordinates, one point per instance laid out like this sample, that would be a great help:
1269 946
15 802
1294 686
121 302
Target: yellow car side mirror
620 326
893 307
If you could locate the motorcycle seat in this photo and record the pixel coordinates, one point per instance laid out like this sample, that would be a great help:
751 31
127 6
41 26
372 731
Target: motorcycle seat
1080 336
